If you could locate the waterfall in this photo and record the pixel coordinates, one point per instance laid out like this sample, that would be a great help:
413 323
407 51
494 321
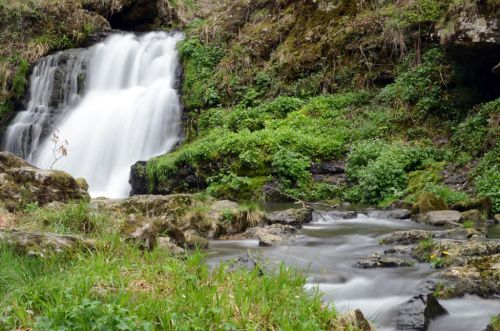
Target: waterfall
117 105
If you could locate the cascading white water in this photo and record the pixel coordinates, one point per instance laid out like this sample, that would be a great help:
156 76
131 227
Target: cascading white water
130 111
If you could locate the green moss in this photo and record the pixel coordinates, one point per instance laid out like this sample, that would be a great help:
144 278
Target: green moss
419 179
427 201
236 187
20 79
200 61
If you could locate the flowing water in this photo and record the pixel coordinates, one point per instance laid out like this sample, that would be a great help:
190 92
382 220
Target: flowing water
328 250
114 103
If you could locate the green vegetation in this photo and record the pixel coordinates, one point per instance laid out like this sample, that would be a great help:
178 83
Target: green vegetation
74 217
429 250
123 288
252 126
488 177
201 60
119 286
495 323
237 150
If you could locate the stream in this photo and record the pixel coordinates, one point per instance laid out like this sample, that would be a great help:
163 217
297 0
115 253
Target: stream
327 250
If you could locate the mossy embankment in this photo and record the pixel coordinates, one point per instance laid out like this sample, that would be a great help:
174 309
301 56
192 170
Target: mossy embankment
346 101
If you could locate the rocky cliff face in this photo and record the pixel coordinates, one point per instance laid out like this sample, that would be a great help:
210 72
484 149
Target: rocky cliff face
32 29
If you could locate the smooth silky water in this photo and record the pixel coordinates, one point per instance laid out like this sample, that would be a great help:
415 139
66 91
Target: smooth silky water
328 250
115 103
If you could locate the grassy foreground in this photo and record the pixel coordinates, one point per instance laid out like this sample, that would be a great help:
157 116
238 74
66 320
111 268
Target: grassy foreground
117 286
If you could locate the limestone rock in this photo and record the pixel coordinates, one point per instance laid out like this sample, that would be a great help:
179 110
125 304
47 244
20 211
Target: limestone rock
406 237
355 319
140 232
476 276
43 244
268 239
447 218
167 244
195 241
383 262
22 183
399 214
294 217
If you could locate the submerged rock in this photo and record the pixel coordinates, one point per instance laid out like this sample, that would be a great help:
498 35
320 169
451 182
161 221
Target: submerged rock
22 183
269 235
248 262
43 244
267 239
383 262
343 215
399 214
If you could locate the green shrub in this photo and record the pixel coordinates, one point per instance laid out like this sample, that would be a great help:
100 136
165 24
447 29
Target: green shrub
236 187
291 166
480 130
487 178
421 89
200 61
449 195
381 170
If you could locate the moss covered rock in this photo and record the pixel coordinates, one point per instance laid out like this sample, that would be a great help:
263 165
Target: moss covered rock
43 244
427 202
22 184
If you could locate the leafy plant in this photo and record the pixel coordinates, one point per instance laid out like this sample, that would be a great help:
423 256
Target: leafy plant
487 178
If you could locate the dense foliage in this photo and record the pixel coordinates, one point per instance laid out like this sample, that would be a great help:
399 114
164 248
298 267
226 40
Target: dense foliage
236 150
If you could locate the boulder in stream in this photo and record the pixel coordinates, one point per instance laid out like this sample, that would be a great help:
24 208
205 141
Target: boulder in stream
399 214
406 237
448 218
293 217
383 262
417 312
